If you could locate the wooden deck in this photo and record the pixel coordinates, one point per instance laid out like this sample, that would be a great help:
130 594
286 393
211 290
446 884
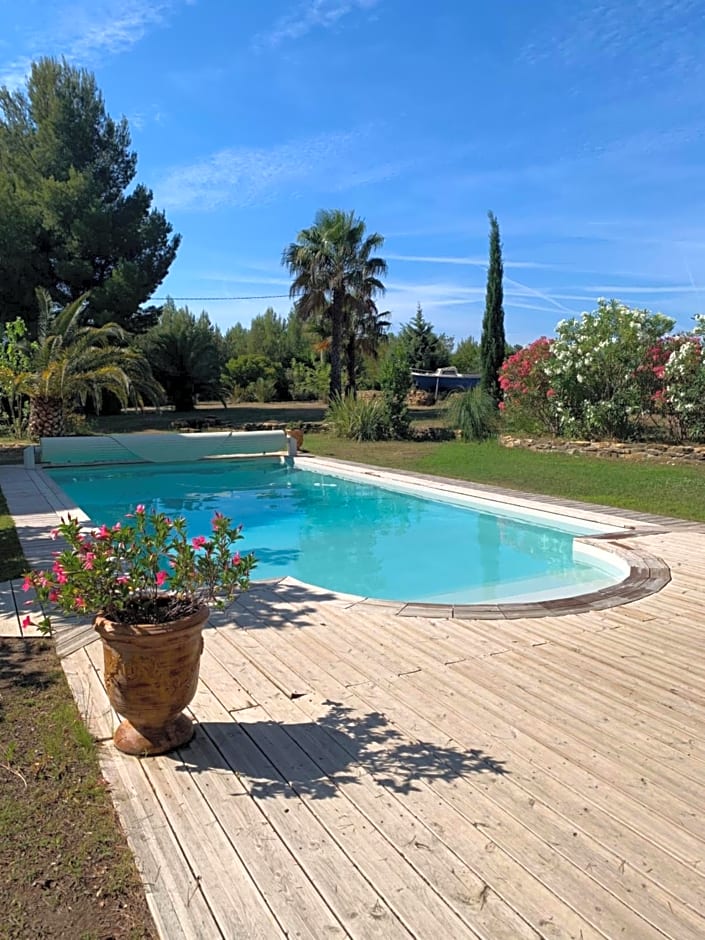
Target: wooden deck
356 773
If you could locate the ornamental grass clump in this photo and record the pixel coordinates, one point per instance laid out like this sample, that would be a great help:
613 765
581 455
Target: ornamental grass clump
145 570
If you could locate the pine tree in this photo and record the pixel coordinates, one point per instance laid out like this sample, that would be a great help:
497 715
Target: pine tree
72 219
493 342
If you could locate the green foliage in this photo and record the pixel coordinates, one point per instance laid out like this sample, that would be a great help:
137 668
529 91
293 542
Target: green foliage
466 357
308 382
336 276
15 364
71 363
71 218
423 347
493 342
395 382
358 419
142 570
245 370
595 369
186 354
474 413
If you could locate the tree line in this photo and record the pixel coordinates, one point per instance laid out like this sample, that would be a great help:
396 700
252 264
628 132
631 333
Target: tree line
82 249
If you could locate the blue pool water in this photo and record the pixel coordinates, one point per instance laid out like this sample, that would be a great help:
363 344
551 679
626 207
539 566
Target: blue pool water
349 536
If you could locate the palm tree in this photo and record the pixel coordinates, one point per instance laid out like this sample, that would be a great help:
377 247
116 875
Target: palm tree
187 355
71 362
366 327
334 272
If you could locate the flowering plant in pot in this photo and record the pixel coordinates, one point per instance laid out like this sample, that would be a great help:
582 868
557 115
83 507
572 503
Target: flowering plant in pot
149 586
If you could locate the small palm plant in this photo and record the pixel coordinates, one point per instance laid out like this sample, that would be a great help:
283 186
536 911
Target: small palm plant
71 361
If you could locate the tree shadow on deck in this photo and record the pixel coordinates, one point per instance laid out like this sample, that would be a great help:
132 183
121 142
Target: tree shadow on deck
314 758
272 604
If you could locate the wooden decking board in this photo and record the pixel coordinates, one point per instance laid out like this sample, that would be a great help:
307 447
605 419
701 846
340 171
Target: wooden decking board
494 734
415 904
633 698
367 784
631 880
296 904
235 901
611 819
337 878
645 670
670 879
597 716
612 766
474 838
625 745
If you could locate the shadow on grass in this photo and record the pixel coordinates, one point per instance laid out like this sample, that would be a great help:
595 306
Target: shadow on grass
17 656
314 758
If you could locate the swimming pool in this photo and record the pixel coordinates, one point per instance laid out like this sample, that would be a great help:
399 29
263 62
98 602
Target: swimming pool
354 537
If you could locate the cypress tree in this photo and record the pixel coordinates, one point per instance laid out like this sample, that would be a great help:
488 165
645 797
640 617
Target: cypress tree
493 341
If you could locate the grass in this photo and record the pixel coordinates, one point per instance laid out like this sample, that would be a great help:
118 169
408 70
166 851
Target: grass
12 562
66 868
670 490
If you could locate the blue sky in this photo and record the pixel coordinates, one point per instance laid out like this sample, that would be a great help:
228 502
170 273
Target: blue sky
579 124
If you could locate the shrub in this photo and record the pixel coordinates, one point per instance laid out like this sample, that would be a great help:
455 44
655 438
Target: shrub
395 382
474 413
684 391
359 419
528 396
594 369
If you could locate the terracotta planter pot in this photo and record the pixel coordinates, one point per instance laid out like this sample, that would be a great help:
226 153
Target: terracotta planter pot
151 674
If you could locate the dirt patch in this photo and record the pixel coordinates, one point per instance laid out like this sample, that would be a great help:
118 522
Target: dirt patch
67 871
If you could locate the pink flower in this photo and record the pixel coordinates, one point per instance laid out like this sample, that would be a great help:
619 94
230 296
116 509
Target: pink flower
117 527
103 532
236 558
122 579
27 584
27 622
57 567
162 576
53 596
54 533
199 541
88 561
139 509
80 603
61 578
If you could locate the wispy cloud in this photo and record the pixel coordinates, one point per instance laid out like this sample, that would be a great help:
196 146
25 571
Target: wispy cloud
248 176
650 35
310 15
85 32
470 262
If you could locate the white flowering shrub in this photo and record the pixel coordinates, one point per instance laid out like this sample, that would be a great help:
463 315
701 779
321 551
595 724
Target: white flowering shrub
684 386
596 370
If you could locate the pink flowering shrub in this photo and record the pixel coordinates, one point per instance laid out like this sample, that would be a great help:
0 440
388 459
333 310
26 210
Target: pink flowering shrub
528 395
144 571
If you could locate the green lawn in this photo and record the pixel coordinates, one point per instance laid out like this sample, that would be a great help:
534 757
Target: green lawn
12 561
671 490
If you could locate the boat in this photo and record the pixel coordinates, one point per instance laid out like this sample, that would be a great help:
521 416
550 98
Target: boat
444 380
